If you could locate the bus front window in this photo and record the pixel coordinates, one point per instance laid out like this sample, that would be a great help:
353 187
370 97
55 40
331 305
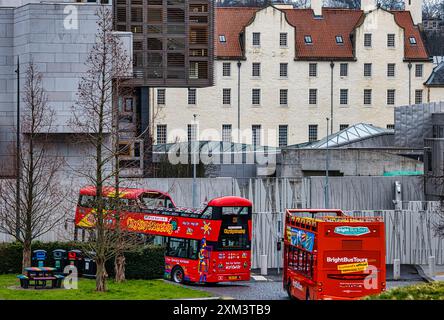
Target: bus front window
234 242
234 210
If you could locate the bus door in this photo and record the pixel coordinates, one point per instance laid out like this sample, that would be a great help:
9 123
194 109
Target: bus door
352 259
181 259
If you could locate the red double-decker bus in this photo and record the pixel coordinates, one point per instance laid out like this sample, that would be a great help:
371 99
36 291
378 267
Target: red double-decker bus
328 255
210 245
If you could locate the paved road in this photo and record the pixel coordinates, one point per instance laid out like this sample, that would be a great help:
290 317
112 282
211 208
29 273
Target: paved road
270 286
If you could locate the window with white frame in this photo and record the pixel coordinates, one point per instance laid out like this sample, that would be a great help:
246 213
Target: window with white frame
391 40
313 96
226 69
391 96
367 40
256 134
343 69
343 96
283 39
418 96
256 39
390 70
227 133
283 70
191 96
161 96
367 69
192 132
283 97
419 68
161 133
367 96
312 132
312 69
256 96
283 135
256 69
226 96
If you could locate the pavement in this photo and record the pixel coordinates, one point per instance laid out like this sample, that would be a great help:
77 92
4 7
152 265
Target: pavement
425 271
269 287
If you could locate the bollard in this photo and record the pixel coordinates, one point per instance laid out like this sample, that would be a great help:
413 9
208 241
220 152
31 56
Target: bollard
264 269
396 269
432 266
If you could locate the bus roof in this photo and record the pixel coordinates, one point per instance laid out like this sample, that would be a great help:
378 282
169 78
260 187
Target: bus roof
127 193
230 201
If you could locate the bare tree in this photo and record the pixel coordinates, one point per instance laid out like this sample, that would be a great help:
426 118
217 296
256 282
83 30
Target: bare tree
40 198
95 116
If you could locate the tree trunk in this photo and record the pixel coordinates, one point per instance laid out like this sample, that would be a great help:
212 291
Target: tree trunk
119 267
101 276
26 261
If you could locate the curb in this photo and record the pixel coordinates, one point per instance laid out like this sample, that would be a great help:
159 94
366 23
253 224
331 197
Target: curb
423 274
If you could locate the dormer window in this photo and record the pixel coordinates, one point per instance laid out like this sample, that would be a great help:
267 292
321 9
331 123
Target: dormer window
339 40
412 40
222 38
308 39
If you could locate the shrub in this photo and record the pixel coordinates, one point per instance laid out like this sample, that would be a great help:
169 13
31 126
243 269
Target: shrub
146 263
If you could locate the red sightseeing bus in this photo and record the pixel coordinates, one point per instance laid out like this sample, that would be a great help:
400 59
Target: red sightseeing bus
210 245
328 255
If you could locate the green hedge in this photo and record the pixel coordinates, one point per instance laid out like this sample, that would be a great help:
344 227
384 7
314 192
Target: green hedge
146 263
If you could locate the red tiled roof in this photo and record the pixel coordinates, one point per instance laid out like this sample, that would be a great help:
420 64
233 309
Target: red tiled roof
412 52
231 21
323 32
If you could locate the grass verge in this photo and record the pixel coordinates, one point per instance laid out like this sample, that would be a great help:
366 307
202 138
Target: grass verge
129 290
428 291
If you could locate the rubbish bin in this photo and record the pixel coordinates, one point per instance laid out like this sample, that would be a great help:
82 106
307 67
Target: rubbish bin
59 256
39 258
75 258
90 266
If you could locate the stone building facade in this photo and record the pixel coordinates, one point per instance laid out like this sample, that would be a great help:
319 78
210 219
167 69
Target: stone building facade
280 72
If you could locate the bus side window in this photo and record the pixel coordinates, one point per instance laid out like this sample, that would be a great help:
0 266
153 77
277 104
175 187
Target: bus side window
208 213
87 201
168 203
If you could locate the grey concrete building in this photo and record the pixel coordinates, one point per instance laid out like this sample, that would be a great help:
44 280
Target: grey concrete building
57 38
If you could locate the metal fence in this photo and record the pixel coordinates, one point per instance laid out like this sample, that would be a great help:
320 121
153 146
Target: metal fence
409 230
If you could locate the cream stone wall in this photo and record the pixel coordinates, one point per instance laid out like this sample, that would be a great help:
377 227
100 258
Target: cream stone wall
298 114
435 94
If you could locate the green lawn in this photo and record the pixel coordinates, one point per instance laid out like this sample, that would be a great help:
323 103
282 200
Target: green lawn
129 290
429 291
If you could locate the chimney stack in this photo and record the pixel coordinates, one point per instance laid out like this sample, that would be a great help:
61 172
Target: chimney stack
415 8
316 5
368 5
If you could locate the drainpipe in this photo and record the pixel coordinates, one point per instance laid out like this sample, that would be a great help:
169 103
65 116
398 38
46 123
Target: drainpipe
410 83
239 64
332 65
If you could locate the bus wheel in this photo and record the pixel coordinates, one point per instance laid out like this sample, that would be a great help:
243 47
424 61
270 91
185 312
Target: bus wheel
177 275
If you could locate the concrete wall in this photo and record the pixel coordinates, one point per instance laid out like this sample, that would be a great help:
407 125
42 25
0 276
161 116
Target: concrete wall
41 33
7 93
348 162
298 115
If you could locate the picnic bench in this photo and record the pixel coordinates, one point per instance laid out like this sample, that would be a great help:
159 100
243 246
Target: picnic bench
39 276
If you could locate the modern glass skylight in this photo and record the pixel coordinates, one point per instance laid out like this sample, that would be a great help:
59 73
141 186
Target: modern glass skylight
354 133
